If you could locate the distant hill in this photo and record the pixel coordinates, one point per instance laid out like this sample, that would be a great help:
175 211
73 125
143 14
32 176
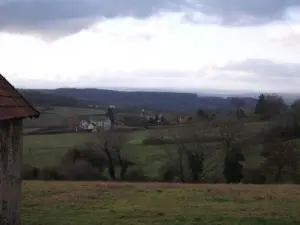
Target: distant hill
40 98
180 102
53 98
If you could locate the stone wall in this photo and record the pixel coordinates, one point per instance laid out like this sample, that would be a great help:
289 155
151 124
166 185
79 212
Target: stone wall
10 171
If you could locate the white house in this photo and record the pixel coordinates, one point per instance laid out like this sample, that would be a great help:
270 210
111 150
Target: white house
94 126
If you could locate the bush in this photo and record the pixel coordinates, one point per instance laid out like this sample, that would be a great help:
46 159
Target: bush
214 179
169 172
254 176
83 163
233 169
81 170
30 172
95 158
296 178
51 173
135 174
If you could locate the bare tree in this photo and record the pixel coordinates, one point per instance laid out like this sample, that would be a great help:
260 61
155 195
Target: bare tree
175 161
280 157
194 157
269 106
111 144
230 131
231 137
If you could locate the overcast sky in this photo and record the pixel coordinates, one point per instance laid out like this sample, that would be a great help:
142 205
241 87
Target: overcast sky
244 45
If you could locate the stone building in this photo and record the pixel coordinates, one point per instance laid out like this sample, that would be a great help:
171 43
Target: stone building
13 109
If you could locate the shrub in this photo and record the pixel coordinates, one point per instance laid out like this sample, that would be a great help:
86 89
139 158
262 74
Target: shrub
95 158
81 170
296 178
135 174
233 169
254 176
51 173
30 172
169 172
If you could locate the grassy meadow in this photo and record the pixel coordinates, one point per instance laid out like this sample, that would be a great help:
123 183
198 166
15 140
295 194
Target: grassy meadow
48 149
110 203
57 116
93 203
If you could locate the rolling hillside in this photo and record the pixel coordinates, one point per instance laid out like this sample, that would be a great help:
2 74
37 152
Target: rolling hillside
179 102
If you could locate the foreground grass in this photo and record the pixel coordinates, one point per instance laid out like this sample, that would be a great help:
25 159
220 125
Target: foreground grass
92 203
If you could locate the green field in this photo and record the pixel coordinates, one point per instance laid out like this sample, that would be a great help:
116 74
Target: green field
108 203
47 150
58 116
69 111
95 203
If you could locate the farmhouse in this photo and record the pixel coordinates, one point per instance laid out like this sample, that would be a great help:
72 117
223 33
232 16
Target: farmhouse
13 109
94 125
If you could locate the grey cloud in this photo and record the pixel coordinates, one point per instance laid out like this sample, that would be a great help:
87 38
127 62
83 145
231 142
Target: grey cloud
267 68
67 16
64 16
274 75
247 12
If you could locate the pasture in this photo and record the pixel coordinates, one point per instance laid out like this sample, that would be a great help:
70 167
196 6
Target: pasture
93 203
57 116
47 150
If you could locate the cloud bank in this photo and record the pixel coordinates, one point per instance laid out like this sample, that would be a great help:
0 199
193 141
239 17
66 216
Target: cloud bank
68 16
205 44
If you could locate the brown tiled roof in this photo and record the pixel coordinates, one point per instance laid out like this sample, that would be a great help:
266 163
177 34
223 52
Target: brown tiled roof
12 104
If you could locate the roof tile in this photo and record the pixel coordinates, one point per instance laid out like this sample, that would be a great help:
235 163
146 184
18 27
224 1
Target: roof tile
12 104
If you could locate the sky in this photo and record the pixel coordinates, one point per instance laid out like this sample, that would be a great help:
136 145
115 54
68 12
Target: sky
232 45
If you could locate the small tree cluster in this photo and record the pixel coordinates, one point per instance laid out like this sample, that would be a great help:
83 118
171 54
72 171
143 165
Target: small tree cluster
204 115
269 106
110 114
238 104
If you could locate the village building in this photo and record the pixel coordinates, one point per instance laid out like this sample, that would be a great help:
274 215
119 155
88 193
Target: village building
13 109
95 125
